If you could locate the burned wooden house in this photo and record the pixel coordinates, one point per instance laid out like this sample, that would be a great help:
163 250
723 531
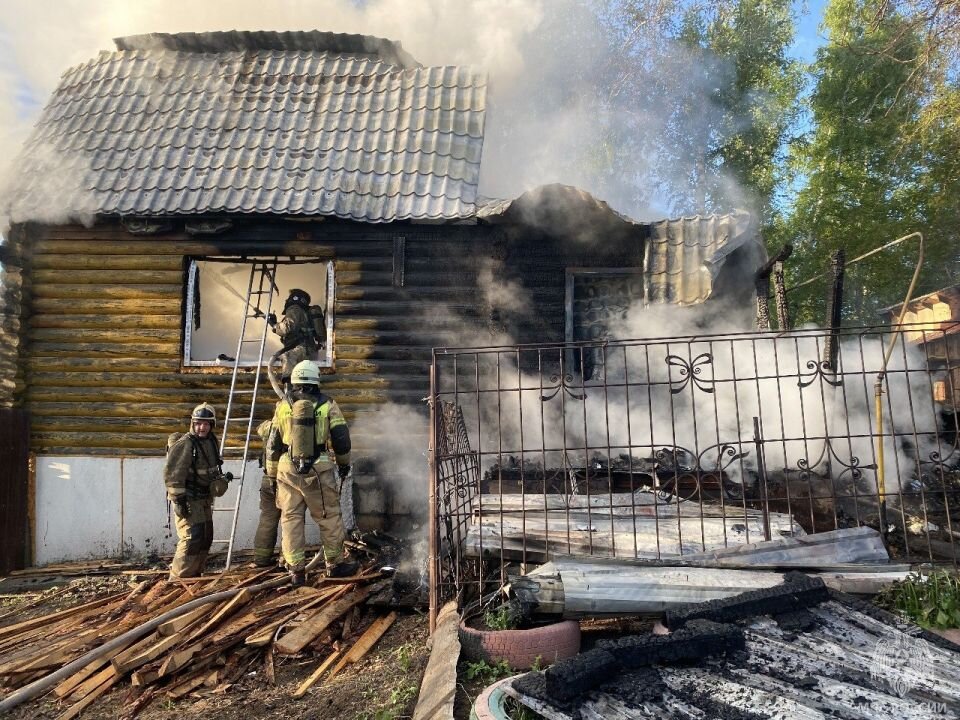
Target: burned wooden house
159 172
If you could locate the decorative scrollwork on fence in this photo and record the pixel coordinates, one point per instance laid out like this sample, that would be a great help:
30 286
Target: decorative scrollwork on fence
938 464
819 369
852 466
558 383
691 371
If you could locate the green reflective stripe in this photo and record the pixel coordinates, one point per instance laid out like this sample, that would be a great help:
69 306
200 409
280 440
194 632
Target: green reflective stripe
337 422
261 553
295 559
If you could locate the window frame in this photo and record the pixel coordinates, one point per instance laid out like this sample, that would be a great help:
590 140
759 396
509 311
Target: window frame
326 358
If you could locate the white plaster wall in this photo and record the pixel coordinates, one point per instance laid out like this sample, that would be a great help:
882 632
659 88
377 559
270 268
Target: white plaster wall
89 507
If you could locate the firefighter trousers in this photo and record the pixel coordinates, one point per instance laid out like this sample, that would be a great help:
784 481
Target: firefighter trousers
265 539
194 537
317 492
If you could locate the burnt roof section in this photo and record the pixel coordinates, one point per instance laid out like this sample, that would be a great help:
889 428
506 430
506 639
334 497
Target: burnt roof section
374 48
278 123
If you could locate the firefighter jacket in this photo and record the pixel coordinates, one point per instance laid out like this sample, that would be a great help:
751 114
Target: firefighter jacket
295 328
268 458
192 463
330 432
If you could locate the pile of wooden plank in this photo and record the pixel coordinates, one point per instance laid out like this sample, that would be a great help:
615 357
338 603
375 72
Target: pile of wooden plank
207 649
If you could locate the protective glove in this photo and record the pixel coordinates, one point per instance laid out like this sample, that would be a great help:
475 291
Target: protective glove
272 319
343 471
181 507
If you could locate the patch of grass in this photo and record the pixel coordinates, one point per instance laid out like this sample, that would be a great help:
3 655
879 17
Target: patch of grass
932 601
488 673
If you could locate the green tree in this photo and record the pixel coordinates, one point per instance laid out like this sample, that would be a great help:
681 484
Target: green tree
873 173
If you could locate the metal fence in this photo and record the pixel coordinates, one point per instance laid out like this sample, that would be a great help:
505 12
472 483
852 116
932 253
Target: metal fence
14 489
657 449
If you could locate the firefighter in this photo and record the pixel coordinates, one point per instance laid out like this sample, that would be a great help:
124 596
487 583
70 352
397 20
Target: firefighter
193 476
265 539
296 332
308 478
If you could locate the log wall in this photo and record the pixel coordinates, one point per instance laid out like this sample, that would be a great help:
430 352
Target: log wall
102 329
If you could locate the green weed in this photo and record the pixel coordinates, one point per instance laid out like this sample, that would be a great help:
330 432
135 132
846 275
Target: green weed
482 670
932 601
501 619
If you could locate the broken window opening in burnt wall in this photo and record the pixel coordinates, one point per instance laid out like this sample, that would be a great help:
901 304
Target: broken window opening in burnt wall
216 298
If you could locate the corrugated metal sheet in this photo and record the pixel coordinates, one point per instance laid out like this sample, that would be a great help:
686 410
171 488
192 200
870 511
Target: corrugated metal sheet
683 256
292 132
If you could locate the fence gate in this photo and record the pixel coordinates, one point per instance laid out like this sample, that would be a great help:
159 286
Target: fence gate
14 482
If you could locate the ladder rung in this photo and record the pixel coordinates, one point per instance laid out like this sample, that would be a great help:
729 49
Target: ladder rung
224 509
243 392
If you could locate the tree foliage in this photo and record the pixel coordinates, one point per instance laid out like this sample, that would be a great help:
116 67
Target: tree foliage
721 93
873 173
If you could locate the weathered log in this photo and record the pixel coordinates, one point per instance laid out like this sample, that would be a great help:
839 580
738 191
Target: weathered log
87 424
128 306
44 440
48 320
107 262
119 410
92 245
85 349
109 292
97 277
122 335
101 364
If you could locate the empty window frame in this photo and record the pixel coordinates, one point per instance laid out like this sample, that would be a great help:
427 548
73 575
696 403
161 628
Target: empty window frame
216 298
595 299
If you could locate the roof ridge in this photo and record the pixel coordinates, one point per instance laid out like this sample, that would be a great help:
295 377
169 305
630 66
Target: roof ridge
241 40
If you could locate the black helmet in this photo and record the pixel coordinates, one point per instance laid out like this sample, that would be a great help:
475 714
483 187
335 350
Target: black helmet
301 297
204 411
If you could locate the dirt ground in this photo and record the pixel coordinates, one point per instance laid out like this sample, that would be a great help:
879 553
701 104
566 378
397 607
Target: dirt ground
382 686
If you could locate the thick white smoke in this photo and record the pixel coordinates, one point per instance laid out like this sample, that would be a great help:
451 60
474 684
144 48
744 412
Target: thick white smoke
558 110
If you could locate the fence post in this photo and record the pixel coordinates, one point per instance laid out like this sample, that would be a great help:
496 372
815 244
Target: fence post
432 543
762 473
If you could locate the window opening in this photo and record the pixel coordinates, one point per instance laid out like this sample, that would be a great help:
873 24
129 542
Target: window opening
594 298
216 295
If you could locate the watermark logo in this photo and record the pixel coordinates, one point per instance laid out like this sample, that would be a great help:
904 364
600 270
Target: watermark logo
902 662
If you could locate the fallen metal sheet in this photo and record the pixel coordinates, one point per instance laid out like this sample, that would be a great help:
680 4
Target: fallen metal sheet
533 539
846 664
832 548
576 589
597 590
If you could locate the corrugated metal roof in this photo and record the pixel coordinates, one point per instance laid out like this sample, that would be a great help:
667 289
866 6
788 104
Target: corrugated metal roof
683 256
295 132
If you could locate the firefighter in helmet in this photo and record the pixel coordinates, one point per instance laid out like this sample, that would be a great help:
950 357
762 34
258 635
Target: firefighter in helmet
193 477
296 332
315 460
265 539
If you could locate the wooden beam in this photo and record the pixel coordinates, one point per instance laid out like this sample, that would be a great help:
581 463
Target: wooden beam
366 642
297 639
316 674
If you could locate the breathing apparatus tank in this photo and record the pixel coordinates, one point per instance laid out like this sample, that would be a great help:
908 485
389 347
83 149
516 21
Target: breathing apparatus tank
303 435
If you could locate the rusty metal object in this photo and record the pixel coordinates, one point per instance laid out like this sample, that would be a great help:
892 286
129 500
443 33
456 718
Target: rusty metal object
834 309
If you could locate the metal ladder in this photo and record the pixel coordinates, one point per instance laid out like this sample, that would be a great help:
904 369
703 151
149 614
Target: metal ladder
263 275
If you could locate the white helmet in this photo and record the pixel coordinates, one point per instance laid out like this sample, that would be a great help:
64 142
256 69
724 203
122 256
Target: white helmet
306 372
